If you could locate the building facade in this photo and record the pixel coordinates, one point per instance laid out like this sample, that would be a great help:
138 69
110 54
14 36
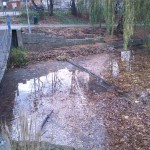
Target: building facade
60 4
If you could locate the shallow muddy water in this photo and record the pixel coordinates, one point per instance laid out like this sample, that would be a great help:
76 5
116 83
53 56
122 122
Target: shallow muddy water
85 115
65 90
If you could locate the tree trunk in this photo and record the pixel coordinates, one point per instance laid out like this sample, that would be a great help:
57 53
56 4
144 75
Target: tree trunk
73 8
50 4
51 7
37 7
119 28
34 4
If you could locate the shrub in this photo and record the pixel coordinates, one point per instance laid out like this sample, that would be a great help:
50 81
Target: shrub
147 42
67 18
31 14
18 57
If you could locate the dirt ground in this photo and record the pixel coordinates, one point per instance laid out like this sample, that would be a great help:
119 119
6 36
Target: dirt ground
68 52
72 33
80 50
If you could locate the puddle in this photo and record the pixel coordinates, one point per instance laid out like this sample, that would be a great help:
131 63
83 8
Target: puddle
66 92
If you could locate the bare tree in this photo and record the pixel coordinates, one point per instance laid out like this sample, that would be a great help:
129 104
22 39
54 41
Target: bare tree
41 8
73 7
50 4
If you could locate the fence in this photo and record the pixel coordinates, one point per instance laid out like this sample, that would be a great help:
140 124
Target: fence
5 45
13 12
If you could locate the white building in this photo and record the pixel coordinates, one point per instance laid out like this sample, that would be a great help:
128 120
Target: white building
61 4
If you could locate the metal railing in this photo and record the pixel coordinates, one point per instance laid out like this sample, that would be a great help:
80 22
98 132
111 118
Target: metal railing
13 12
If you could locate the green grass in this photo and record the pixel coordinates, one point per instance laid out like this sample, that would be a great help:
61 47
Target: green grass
62 17
67 18
31 14
23 21
18 57
147 42
71 21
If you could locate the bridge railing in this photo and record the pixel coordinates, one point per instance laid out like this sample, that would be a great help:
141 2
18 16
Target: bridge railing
13 12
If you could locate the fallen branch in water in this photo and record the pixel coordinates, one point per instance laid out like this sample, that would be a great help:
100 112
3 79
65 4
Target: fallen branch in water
45 120
101 81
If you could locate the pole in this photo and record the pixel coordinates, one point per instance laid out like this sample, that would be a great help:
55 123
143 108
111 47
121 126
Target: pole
8 22
29 27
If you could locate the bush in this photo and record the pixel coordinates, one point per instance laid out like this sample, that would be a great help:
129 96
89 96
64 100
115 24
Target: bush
31 14
83 9
147 42
67 18
18 57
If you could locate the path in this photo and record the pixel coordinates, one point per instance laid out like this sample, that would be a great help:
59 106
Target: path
19 26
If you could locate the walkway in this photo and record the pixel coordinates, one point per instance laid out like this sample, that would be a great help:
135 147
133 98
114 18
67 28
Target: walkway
19 26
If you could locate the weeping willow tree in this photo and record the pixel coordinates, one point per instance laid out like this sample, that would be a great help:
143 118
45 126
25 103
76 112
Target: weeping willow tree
109 15
128 29
91 9
142 14
132 12
95 11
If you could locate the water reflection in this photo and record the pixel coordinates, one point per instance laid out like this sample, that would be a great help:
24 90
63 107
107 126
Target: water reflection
115 68
68 94
126 58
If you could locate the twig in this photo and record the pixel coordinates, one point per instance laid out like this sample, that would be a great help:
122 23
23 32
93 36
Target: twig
44 133
45 120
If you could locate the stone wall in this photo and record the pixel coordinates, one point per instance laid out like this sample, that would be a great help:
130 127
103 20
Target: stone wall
5 44
41 41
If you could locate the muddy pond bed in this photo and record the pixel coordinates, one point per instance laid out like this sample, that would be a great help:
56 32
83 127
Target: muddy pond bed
85 115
